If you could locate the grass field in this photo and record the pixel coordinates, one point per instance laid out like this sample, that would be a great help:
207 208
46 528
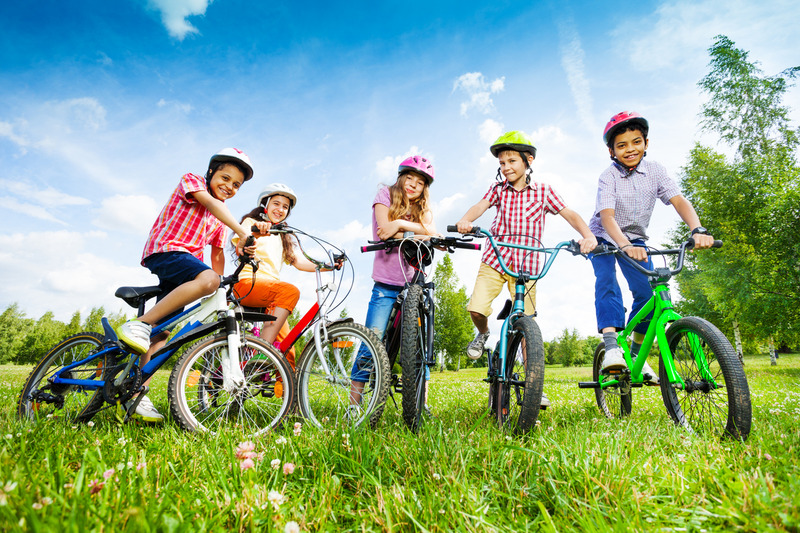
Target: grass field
576 471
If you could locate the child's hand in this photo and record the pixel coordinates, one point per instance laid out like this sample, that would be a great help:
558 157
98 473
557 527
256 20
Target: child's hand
588 244
702 241
464 226
388 230
635 252
263 227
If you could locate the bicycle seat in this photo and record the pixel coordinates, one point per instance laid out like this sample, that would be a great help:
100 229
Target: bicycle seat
133 296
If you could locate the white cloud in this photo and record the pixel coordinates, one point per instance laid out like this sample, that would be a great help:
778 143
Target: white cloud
7 131
174 104
572 57
489 131
133 214
175 12
479 92
386 167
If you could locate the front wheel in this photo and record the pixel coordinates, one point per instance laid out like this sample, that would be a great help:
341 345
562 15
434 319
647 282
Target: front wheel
412 357
519 397
199 402
614 401
348 382
41 399
715 399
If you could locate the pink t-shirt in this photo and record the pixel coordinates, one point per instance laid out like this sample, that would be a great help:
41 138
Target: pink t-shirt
185 225
387 267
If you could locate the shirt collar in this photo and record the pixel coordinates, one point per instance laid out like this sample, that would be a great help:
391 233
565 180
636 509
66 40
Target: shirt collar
641 168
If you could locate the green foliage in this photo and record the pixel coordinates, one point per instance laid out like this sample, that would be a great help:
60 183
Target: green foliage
570 349
14 328
751 203
452 325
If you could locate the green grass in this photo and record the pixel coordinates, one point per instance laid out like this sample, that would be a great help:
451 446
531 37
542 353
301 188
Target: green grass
576 471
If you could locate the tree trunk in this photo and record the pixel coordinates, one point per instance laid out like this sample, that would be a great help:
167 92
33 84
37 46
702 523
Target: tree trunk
773 361
737 336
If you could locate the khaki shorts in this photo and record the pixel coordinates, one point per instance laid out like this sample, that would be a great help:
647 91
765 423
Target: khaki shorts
488 285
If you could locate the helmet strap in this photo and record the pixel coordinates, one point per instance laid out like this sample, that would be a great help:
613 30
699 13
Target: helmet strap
499 176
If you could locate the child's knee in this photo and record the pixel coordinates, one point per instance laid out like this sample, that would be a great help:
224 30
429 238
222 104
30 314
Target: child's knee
208 281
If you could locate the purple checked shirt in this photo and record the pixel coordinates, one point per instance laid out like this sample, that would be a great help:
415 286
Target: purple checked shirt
632 196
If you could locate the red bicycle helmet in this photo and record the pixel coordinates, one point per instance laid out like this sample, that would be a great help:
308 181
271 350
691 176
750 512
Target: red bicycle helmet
621 119
418 164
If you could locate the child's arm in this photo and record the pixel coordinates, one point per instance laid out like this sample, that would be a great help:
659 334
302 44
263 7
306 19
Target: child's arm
473 214
395 228
615 232
221 211
687 213
218 260
589 241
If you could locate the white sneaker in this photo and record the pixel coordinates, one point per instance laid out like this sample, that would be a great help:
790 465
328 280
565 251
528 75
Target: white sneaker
653 379
545 401
475 348
145 411
352 414
135 334
613 360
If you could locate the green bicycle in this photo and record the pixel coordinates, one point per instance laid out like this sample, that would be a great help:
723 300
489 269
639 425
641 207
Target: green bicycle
702 381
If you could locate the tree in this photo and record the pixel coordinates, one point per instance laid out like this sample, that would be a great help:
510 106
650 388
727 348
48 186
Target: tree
452 325
14 327
751 202
46 333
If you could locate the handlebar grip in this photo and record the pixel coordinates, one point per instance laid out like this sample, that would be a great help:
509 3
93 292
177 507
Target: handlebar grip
466 245
254 229
373 247
250 240
454 229
717 244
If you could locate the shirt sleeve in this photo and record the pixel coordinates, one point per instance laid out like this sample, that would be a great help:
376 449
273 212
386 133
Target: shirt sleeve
190 183
492 196
553 201
383 197
606 192
667 188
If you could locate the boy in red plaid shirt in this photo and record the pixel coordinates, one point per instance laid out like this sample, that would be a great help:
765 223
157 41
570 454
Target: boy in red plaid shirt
195 216
521 207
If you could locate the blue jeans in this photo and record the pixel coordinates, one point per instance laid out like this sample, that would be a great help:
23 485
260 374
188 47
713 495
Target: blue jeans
380 307
608 296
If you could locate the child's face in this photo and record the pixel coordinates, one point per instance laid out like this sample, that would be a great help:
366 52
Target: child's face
277 208
512 166
225 182
629 148
413 186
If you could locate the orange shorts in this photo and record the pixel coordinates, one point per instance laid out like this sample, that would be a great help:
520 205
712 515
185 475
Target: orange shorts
269 294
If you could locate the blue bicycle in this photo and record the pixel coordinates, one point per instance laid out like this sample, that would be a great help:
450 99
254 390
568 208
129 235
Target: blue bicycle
516 366
228 377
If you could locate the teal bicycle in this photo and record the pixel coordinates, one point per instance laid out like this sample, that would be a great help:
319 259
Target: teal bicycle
516 366
702 381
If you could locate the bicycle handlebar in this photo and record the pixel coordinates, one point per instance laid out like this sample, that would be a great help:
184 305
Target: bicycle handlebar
450 243
688 244
282 227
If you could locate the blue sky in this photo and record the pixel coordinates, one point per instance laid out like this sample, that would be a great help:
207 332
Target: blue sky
106 104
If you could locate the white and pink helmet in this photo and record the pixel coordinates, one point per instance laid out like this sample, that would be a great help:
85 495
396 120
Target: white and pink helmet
418 164
234 155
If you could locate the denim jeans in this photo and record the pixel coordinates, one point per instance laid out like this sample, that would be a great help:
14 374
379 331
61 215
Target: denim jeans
380 307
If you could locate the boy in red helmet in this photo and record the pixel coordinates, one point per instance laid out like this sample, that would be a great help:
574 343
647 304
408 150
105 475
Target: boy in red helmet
195 216
626 195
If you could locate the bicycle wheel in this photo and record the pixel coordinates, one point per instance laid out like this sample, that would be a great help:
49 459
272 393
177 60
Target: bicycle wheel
519 397
199 402
412 357
715 403
41 399
615 400
324 396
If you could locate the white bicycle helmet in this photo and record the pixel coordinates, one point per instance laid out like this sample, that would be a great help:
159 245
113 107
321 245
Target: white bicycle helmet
234 155
278 188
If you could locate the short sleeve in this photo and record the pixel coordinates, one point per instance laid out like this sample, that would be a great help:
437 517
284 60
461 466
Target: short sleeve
606 192
553 201
492 195
383 197
191 183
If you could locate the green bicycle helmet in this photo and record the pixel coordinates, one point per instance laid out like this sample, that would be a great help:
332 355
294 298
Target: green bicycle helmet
513 140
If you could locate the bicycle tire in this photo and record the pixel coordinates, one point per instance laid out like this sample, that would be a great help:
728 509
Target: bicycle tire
614 401
412 356
725 411
519 397
199 402
323 398
75 402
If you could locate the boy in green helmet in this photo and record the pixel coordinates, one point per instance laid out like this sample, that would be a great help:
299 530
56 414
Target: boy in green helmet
521 208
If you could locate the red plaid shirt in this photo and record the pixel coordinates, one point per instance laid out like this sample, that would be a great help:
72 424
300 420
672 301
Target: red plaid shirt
184 224
520 220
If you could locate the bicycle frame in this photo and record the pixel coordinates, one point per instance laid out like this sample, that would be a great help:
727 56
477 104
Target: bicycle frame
660 305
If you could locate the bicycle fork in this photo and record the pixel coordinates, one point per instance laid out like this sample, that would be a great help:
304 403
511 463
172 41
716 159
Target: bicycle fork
232 375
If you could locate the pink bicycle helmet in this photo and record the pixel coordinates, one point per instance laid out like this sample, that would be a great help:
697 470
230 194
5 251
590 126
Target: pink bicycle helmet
234 155
620 119
418 164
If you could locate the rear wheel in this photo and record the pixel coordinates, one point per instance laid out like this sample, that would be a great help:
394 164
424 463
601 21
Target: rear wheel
328 397
716 397
614 401
412 357
519 397
199 402
42 399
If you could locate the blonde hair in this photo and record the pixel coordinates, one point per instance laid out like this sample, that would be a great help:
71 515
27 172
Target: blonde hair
403 208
